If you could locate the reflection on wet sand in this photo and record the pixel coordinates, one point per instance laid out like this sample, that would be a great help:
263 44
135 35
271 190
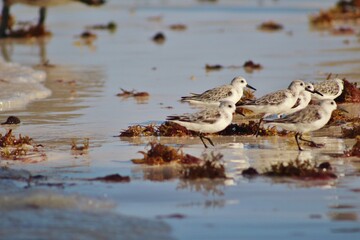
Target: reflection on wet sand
71 86
156 173
204 186
8 46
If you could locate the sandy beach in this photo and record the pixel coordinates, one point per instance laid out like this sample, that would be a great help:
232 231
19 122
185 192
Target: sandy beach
77 101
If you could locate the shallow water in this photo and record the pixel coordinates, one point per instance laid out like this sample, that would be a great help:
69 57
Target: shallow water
85 80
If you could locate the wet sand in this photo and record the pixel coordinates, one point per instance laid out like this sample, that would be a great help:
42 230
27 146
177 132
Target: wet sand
85 80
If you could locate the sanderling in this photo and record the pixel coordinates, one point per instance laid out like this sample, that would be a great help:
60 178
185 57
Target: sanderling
277 102
208 120
309 119
303 100
43 4
232 92
330 89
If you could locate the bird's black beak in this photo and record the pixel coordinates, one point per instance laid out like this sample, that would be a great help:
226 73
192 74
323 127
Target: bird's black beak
247 85
317 92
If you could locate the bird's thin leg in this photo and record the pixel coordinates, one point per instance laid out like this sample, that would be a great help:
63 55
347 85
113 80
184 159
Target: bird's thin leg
258 127
5 14
42 16
211 142
201 138
297 141
312 143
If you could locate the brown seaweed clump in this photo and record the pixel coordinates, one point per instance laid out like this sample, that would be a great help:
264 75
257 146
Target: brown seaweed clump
352 132
342 11
270 26
113 178
160 154
210 167
215 67
166 129
78 149
170 129
350 94
250 129
111 26
132 93
343 31
250 66
178 27
13 148
303 170
139 131
159 38
355 150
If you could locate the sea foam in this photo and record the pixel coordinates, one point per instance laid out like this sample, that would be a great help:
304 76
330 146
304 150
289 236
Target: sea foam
19 85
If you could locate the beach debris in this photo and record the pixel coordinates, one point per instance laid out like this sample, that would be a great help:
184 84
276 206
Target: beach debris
251 128
166 129
11 120
270 26
342 11
351 132
355 150
22 148
250 172
172 216
343 31
10 140
80 150
159 38
159 154
113 178
302 170
158 18
350 94
208 1
140 97
178 27
110 26
139 131
248 95
45 64
170 129
215 67
250 66
88 36
132 93
211 166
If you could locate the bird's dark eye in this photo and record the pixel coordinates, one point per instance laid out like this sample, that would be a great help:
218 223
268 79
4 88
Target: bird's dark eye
229 106
242 81
301 84
332 103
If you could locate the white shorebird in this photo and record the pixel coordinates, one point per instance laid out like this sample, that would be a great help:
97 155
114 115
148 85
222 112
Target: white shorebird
42 4
276 102
304 99
232 92
209 120
309 119
330 89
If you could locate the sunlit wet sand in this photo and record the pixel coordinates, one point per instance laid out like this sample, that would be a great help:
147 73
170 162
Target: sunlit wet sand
83 104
